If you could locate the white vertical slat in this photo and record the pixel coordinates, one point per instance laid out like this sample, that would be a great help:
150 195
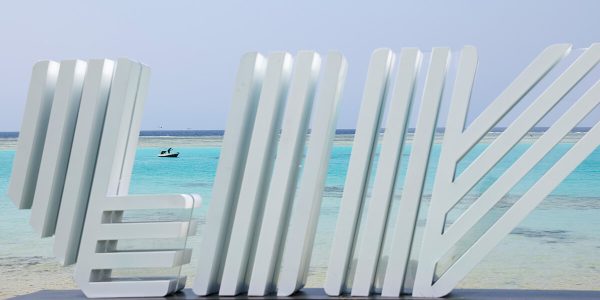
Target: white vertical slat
127 84
125 150
32 135
305 213
111 153
285 172
134 131
228 177
57 147
127 154
407 213
387 170
257 173
423 139
82 162
363 149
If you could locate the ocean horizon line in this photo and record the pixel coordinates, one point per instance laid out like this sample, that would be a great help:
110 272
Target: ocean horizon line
220 132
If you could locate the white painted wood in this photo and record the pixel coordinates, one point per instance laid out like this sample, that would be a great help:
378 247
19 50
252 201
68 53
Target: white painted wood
257 173
387 170
285 171
305 213
407 213
365 140
82 161
228 178
26 163
57 147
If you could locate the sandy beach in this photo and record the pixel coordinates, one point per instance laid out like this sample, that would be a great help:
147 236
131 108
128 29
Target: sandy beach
555 248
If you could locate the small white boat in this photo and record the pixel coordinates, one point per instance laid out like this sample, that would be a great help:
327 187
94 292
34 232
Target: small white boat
168 153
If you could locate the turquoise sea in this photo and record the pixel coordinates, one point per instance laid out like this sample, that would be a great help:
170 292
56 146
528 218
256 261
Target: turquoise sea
556 247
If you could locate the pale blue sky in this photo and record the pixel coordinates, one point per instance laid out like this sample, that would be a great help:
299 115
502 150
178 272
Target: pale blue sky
194 47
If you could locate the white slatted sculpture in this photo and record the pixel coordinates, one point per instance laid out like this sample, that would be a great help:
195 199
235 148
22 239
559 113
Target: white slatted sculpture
262 221
246 237
74 161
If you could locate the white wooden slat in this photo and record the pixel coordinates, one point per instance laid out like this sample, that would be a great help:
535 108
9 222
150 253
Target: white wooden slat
115 132
142 259
164 201
387 170
404 228
144 230
26 163
127 150
82 161
134 130
305 213
257 173
127 287
285 171
363 149
57 147
228 177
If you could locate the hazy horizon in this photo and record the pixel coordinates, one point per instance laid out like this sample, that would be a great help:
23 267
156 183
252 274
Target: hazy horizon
194 48
144 132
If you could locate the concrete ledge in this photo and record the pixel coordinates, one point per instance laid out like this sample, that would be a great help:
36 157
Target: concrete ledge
320 294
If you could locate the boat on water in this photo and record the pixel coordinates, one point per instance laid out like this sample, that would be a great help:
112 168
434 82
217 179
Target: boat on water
168 153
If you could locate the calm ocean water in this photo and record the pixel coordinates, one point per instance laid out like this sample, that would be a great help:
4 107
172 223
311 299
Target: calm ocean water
558 246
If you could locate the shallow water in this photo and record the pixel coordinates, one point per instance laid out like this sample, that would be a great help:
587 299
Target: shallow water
556 247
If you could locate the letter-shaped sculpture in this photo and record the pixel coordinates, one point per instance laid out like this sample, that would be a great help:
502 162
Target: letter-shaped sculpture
78 140
264 235
73 163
